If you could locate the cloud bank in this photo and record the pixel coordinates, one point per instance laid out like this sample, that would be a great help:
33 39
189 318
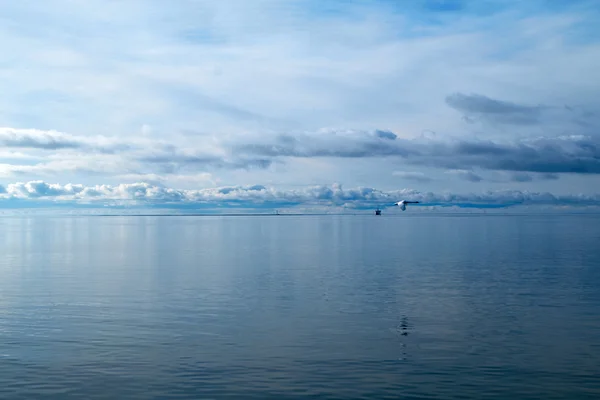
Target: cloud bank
145 195
566 154
572 154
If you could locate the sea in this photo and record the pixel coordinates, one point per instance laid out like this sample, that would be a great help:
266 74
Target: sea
408 306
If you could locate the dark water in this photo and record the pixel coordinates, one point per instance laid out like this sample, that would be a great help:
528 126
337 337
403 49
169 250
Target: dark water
300 307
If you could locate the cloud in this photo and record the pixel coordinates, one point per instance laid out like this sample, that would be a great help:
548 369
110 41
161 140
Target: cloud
498 111
521 177
549 177
412 176
386 135
503 177
143 194
49 154
525 177
39 189
35 139
572 154
549 120
52 153
469 176
324 143
53 140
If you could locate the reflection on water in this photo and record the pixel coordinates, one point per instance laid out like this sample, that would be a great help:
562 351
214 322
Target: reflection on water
330 307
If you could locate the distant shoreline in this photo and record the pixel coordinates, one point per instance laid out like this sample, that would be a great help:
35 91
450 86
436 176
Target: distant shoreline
370 215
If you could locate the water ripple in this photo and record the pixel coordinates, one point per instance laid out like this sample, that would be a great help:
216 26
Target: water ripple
327 307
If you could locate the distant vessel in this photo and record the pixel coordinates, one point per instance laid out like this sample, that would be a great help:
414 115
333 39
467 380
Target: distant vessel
378 212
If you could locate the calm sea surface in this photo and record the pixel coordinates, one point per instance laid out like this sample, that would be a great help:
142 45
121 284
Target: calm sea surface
287 307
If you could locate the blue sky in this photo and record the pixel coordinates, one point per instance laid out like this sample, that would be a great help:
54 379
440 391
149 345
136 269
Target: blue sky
437 99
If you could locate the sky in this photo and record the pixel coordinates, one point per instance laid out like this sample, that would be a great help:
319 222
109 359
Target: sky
299 103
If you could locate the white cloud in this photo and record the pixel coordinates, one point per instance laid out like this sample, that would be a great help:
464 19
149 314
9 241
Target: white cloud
143 194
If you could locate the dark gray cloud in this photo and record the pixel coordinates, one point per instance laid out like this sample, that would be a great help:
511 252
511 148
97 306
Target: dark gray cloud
475 106
559 118
412 176
52 140
502 177
549 177
583 118
551 155
575 154
469 176
571 154
329 144
521 177
386 135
